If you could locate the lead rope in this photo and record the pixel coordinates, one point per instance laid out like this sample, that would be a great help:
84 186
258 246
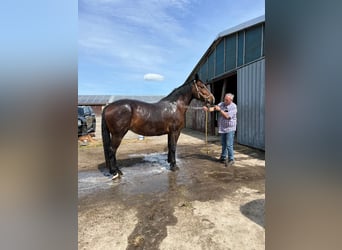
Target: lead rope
206 131
206 125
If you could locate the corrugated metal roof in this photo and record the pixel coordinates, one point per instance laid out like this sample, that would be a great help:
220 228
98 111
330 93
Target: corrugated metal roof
242 26
93 99
105 99
149 99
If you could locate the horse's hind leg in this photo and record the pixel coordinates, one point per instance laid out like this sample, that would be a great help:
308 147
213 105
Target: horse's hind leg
116 141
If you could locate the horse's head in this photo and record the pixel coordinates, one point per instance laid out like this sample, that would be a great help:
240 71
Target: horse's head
201 92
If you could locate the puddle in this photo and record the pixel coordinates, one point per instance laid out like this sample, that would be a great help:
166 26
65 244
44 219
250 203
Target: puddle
150 175
91 181
152 163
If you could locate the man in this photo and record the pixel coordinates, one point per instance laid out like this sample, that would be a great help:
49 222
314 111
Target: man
227 127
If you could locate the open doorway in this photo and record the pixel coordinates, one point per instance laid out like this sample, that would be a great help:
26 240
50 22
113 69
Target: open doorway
225 85
220 87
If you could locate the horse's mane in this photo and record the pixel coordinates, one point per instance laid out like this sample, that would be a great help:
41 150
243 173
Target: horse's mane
178 91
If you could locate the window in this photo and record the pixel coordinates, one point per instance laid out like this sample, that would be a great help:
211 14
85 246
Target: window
204 71
211 66
230 52
241 43
80 111
253 43
263 41
219 65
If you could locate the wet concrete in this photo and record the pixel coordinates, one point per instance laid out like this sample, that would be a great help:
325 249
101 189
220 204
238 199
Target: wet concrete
151 207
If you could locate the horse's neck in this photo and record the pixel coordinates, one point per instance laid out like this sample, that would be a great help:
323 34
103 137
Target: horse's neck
182 94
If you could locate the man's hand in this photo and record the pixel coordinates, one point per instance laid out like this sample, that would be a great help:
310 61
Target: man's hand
217 108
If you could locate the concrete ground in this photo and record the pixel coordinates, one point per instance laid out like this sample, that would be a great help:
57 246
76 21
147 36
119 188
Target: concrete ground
203 205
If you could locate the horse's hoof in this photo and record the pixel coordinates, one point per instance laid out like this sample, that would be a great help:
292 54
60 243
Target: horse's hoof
174 168
120 173
115 176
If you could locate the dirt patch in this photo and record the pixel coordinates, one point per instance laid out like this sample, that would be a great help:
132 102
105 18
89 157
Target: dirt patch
204 205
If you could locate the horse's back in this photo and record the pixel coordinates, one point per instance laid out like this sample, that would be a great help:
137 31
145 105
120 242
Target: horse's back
143 118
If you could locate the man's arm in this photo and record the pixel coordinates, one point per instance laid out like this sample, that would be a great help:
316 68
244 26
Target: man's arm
210 109
224 114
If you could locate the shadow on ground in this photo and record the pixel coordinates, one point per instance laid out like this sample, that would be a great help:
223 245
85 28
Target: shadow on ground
255 211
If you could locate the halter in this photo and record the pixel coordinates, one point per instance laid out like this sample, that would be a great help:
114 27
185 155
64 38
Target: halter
206 97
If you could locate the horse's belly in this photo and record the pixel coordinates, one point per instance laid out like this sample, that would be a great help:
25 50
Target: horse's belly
158 123
149 131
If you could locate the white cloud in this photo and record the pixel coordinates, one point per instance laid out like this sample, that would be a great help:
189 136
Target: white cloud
153 77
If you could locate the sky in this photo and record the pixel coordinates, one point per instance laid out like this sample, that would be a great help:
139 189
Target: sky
132 47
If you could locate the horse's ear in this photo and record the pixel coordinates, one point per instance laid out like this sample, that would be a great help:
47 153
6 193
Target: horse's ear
196 77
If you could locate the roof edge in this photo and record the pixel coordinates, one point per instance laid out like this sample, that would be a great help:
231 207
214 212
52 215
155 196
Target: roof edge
241 26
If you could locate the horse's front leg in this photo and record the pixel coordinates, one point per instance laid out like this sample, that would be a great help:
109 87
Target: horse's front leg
169 147
172 144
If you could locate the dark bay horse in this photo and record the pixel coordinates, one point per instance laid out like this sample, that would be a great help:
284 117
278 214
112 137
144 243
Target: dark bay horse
164 117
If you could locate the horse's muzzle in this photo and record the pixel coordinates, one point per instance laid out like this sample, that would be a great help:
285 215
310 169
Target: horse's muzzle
210 100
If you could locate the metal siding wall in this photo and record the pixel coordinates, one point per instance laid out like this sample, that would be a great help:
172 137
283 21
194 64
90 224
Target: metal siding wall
188 118
251 105
195 118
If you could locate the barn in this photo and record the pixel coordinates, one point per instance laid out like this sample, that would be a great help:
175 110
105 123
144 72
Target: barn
98 102
235 63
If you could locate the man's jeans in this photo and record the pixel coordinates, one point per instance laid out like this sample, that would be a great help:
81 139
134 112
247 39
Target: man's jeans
227 140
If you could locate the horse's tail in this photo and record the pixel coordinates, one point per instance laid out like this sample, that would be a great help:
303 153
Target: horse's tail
106 139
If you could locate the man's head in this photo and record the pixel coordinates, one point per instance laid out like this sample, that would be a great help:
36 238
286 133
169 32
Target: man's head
228 98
